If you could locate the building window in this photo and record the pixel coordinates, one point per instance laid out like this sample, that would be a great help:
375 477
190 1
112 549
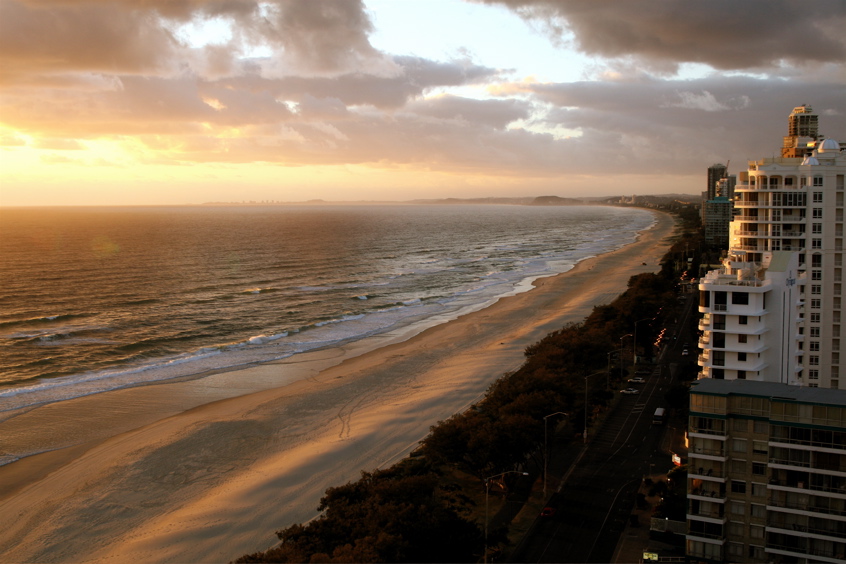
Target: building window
815 332
742 338
815 318
760 469
816 261
741 357
813 374
738 507
818 181
759 511
816 275
760 447
743 320
741 375
756 531
738 486
814 346
815 303
816 289
816 243
814 360
817 196
740 298
816 228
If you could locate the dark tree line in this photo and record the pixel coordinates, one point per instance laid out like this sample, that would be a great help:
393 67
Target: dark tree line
408 514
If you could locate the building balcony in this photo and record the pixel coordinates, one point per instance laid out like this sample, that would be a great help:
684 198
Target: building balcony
715 456
797 545
707 475
715 538
789 464
716 517
707 494
707 434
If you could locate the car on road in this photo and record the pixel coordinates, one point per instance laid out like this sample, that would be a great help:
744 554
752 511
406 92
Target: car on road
548 511
636 380
630 391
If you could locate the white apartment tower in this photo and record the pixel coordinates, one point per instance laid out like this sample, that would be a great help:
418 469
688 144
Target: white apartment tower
774 311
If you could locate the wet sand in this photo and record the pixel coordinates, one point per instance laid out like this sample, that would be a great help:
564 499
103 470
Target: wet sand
207 470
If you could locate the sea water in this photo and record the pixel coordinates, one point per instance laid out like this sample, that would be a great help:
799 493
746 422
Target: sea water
95 299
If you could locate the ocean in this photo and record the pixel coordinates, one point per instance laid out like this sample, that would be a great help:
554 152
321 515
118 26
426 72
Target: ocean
96 299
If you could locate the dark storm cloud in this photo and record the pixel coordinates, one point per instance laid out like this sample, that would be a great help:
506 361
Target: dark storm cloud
319 93
135 36
725 34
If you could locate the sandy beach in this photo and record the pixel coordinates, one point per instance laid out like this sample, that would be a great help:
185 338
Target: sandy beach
206 470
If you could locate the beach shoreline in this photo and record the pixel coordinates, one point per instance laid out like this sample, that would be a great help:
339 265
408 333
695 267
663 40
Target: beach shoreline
186 472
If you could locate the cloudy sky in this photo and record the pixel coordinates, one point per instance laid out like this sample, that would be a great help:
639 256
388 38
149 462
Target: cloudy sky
190 101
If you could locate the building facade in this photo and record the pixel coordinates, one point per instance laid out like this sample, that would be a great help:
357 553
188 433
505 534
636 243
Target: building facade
716 172
718 214
774 311
802 132
767 473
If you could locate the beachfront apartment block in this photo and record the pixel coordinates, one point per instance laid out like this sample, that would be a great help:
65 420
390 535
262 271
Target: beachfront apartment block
766 473
773 312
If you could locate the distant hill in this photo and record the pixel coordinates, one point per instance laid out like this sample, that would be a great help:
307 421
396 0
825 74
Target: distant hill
510 201
556 201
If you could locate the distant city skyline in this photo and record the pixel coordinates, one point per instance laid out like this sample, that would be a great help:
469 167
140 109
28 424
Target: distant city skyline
182 102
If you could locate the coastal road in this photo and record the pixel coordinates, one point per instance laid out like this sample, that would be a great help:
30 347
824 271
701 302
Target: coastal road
595 502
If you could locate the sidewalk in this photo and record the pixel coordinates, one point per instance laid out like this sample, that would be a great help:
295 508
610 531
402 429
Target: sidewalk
635 539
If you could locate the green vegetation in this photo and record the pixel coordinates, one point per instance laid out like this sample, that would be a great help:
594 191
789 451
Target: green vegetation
426 509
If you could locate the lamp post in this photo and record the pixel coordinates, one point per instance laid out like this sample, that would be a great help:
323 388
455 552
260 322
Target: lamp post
546 448
487 490
608 380
634 344
584 434
621 354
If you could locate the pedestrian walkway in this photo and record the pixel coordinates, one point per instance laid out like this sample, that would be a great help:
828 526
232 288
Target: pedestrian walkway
635 540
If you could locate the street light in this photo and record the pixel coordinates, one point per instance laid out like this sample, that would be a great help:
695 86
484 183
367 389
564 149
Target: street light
546 449
608 381
586 402
634 345
487 489
621 354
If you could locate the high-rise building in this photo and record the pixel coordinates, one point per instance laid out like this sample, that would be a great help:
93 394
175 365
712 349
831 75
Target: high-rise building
716 172
802 132
766 473
718 214
774 311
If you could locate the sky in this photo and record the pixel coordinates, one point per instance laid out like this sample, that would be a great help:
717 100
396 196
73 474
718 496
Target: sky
158 102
